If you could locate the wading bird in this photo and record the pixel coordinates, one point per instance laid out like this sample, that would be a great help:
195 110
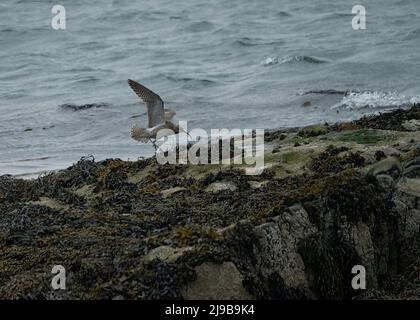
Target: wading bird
158 117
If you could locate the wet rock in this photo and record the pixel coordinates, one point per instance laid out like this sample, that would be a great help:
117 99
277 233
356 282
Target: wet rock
216 281
276 249
412 168
257 184
408 212
216 187
389 120
51 203
391 166
411 125
414 162
410 186
169 192
412 172
360 238
85 191
166 253
385 181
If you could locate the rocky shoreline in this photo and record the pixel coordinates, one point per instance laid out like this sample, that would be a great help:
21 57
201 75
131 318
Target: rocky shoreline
331 197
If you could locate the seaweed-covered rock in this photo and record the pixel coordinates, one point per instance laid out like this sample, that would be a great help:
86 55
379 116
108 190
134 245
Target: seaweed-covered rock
330 197
276 252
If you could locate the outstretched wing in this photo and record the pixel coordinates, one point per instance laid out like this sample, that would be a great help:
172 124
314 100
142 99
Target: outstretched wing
169 114
154 104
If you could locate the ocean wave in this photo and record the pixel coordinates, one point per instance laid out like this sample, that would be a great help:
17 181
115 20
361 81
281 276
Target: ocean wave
186 79
293 59
200 26
328 91
33 159
251 42
74 107
375 100
283 14
413 34
269 61
86 79
176 17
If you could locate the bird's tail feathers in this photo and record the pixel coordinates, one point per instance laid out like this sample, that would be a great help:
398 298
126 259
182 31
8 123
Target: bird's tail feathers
140 134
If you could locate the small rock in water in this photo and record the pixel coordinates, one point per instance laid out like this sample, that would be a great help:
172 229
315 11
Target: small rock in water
307 104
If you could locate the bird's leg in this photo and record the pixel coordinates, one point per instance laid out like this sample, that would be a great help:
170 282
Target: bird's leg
188 134
153 141
185 132
154 144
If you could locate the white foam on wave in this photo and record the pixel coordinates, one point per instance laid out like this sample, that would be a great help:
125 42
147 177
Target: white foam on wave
272 60
375 100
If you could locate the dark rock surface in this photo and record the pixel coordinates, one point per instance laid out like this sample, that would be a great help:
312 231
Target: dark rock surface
347 195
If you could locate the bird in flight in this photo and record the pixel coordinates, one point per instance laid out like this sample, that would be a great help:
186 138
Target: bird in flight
158 117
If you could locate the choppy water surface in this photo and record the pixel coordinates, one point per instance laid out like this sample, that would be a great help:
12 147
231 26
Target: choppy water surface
220 64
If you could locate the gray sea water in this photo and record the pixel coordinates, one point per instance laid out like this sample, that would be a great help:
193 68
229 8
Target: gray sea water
220 64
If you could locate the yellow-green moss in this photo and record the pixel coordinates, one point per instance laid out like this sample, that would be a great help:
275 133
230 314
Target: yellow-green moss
364 137
291 157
